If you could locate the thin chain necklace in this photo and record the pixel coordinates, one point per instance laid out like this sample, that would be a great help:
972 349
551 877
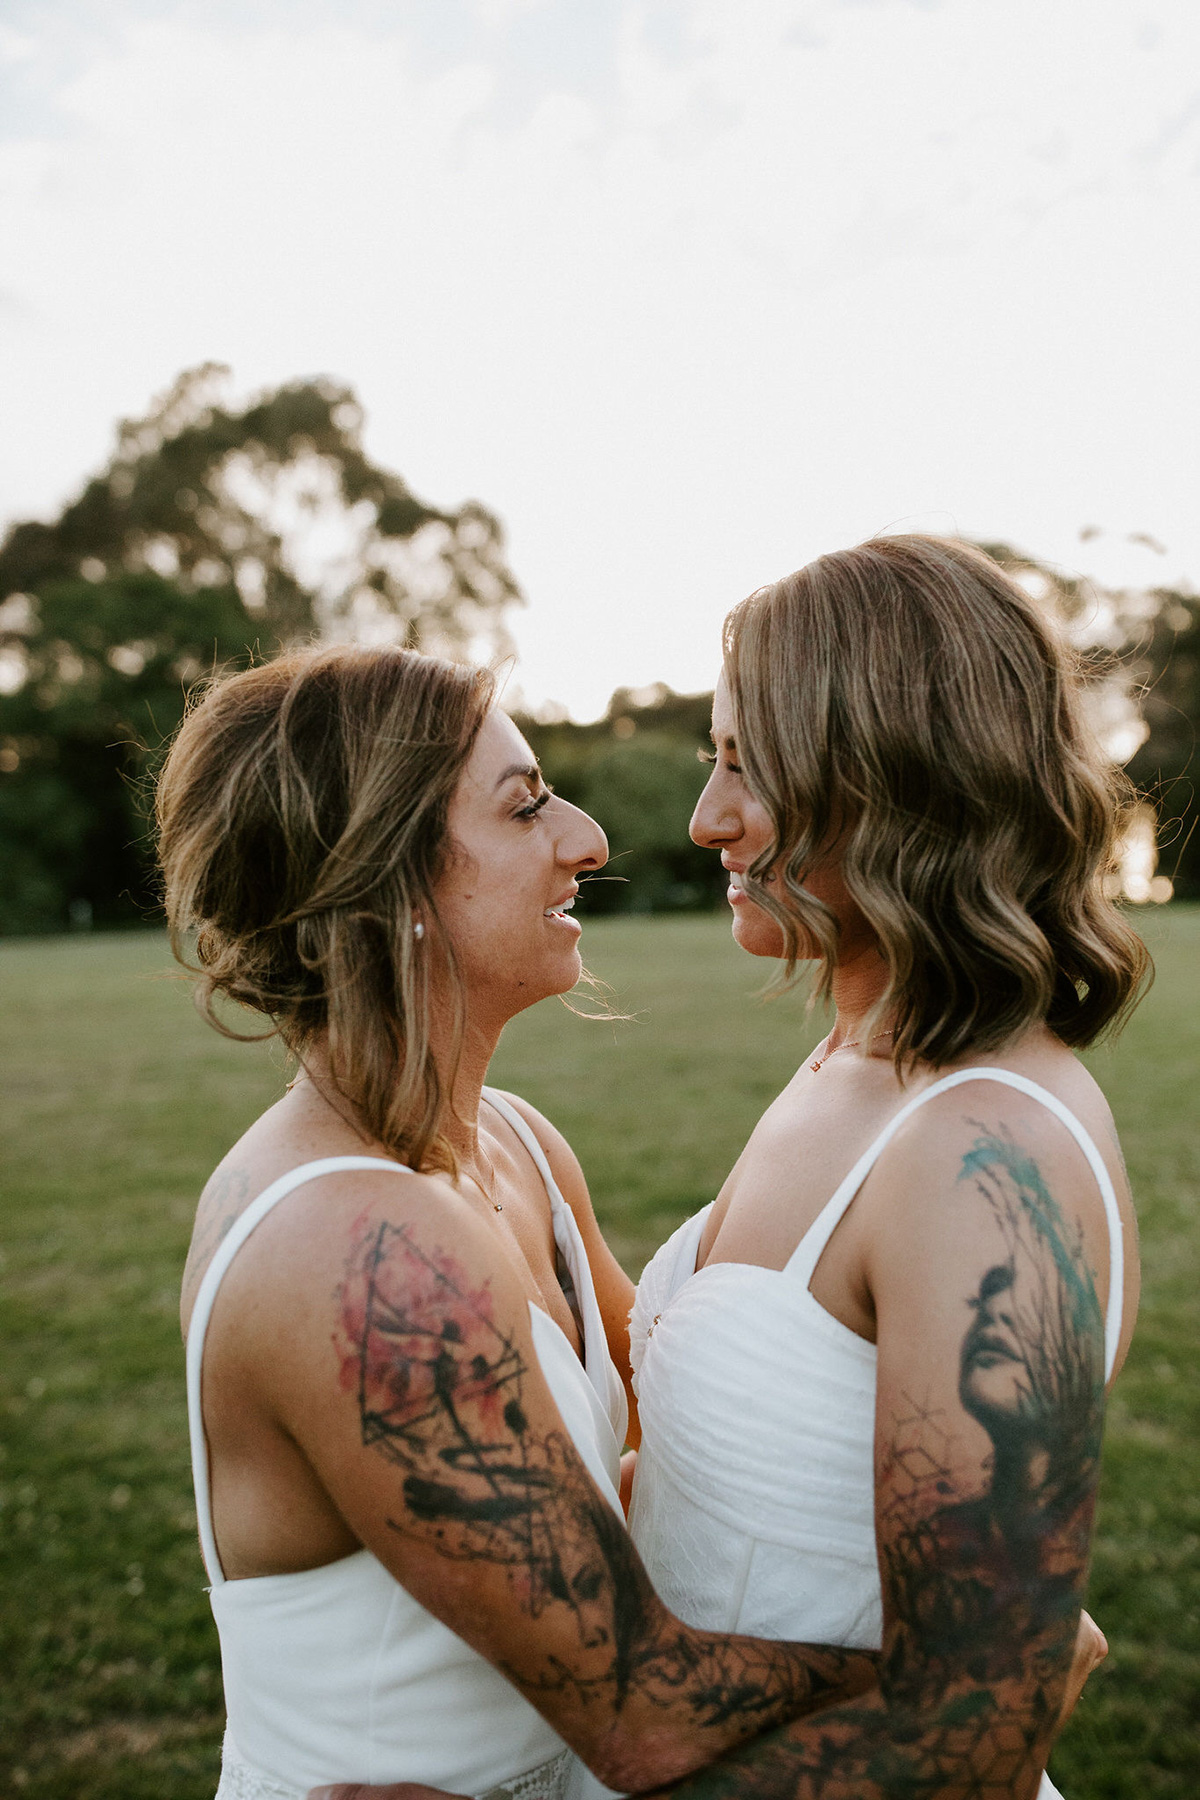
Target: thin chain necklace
490 1198
819 1062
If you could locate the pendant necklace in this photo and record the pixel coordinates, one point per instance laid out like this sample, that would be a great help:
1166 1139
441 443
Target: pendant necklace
819 1062
490 1198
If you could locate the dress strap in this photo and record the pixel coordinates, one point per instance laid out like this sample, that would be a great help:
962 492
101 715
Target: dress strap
804 1259
597 1364
529 1138
228 1248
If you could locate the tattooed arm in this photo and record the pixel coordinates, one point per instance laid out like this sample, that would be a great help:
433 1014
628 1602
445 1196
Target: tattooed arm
990 1405
416 1394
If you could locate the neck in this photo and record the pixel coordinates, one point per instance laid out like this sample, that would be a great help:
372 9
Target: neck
461 1125
859 981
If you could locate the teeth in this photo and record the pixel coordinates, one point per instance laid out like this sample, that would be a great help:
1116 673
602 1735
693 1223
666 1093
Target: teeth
556 912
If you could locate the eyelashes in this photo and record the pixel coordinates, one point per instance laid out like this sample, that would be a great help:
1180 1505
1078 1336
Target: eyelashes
710 756
535 806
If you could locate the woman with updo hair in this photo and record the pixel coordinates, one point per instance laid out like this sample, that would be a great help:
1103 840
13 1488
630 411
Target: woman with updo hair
405 1337
871 1374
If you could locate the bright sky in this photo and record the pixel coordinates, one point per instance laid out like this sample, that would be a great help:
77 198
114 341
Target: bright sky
687 290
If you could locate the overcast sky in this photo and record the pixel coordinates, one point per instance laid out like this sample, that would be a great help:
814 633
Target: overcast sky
687 290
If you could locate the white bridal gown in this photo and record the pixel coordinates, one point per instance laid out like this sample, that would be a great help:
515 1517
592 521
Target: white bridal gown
753 1503
337 1673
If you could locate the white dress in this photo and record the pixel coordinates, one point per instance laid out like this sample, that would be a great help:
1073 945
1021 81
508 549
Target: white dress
338 1673
753 1502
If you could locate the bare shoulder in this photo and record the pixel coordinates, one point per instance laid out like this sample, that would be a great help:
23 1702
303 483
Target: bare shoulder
985 1163
289 1255
1057 1117
332 1208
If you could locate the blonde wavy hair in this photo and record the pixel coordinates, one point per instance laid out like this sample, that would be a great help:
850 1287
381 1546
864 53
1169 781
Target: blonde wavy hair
302 815
906 702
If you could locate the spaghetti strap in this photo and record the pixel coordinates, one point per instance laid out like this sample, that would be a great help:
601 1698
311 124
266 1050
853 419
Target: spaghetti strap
804 1259
573 1251
528 1137
228 1248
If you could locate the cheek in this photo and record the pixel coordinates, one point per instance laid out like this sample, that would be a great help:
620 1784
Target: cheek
757 832
825 883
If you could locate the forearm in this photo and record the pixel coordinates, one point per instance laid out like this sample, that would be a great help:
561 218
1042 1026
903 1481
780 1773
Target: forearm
692 1696
662 1740
876 1748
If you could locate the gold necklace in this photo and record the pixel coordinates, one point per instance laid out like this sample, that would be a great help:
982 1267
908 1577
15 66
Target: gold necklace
819 1062
490 1198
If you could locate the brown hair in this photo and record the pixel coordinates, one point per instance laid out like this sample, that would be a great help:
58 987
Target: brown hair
906 701
301 826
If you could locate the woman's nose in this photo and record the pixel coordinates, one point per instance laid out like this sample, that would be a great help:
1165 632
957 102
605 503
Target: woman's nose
582 844
713 822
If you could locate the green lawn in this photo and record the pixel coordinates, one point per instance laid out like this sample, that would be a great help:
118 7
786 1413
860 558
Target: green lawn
116 1101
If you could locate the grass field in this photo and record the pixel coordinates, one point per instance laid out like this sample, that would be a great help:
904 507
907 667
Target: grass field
116 1101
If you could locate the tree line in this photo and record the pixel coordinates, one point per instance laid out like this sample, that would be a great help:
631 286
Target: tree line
221 532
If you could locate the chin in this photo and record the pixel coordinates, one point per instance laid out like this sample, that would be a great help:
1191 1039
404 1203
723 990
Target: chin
757 934
995 1396
570 980
559 978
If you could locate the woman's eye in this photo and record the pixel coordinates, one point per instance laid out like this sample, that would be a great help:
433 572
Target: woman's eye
535 806
710 756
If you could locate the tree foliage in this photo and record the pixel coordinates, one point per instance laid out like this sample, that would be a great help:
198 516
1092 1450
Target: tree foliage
106 666
1166 655
279 500
214 534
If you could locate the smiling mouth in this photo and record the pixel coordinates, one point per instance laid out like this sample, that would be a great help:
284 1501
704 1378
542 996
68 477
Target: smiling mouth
559 911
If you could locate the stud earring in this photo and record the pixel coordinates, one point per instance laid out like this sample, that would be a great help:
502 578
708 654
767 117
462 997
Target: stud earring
418 929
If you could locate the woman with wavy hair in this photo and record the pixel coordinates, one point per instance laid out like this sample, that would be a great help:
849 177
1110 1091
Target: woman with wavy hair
871 1373
406 1421
924 1265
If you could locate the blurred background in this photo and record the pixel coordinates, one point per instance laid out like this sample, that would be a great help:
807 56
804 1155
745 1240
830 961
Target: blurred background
541 333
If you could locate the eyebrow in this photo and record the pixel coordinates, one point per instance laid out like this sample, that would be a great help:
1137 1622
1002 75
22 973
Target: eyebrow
727 743
527 771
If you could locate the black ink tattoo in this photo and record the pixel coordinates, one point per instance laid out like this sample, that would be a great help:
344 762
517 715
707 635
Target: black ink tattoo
440 1389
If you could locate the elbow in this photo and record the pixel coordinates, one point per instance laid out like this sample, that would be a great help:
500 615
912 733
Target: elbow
638 1762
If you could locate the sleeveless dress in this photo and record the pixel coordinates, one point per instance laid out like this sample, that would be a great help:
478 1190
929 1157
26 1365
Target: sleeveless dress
337 1673
753 1501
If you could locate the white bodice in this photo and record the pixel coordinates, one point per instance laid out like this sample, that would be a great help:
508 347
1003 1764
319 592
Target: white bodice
338 1673
753 1503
